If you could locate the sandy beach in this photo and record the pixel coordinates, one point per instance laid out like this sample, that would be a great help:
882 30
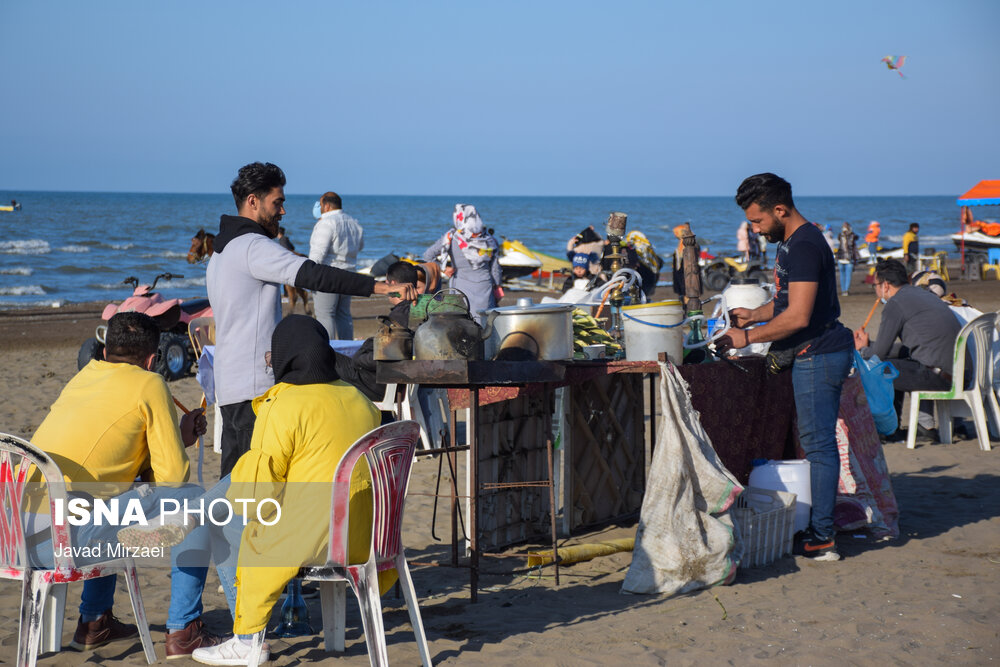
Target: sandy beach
930 596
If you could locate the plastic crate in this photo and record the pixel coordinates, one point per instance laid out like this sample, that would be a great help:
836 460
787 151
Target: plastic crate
765 523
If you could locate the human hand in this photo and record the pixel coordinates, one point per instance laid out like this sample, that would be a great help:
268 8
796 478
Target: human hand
734 338
449 271
860 339
193 424
741 316
404 291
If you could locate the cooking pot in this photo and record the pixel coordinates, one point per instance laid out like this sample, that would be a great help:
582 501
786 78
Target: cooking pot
529 331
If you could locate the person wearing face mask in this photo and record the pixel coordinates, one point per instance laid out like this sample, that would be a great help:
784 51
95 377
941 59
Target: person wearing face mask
244 279
926 330
471 258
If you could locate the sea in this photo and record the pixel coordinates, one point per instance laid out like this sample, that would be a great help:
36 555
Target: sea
69 247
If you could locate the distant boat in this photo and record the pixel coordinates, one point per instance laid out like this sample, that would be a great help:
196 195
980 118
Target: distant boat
14 206
976 241
518 260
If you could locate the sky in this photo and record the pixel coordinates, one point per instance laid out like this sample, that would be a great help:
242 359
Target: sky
489 98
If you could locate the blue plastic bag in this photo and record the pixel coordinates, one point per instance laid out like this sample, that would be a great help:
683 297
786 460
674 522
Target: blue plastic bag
876 377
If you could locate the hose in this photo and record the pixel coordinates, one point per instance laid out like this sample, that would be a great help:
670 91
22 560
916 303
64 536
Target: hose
720 310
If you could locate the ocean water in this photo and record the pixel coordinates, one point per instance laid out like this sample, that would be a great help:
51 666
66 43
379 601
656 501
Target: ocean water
66 247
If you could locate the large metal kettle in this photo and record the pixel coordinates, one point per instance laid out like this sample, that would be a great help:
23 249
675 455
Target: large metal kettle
449 333
392 341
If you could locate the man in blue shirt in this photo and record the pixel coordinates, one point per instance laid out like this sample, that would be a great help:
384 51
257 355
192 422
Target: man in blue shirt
802 326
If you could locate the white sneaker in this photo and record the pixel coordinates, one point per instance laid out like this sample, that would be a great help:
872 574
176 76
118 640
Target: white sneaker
230 652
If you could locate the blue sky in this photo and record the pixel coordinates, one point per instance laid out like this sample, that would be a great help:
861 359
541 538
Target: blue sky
489 98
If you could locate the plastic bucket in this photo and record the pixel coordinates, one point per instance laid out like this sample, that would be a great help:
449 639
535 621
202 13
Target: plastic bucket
651 328
791 476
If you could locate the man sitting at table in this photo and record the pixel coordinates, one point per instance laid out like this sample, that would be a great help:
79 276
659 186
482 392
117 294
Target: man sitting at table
927 330
359 369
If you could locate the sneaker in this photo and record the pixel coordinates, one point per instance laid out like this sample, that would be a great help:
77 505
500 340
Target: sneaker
811 546
896 436
230 652
927 434
98 633
162 531
181 643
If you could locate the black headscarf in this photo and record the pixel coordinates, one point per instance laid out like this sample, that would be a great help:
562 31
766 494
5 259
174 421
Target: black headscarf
301 352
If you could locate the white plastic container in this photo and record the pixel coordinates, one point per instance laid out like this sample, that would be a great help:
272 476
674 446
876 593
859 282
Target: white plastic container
745 293
651 328
791 476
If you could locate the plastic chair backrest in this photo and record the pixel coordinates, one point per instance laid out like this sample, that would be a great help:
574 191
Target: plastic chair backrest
389 452
17 457
982 329
201 331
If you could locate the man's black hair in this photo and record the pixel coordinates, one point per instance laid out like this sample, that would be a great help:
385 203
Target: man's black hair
131 337
256 178
332 199
891 271
402 272
766 190
914 225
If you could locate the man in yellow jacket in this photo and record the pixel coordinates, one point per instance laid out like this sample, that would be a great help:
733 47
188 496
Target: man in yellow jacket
113 422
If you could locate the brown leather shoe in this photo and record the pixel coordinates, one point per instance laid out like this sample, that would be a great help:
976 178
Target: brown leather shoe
181 643
98 633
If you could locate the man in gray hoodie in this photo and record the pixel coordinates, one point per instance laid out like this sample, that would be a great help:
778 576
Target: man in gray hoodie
244 279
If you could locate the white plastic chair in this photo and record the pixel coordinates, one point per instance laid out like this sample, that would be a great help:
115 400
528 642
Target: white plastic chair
389 451
408 407
979 396
44 590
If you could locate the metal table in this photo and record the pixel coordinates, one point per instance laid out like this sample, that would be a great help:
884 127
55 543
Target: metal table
474 376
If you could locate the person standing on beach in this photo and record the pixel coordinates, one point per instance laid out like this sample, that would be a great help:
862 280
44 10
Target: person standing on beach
801 323
471 257
244 280
847 255
871 239
911 248
336 240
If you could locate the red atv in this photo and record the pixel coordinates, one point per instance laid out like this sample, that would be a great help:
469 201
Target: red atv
174 357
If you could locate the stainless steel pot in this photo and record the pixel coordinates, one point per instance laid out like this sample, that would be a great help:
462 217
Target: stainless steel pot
530 331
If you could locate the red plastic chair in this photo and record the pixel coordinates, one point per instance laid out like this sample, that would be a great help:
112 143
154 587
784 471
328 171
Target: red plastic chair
16 459
389 451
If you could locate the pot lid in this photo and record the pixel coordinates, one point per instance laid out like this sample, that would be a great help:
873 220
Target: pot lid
526 307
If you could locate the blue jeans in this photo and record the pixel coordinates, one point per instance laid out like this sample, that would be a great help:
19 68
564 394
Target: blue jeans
872 247
187 580
817 381
845 275
334 312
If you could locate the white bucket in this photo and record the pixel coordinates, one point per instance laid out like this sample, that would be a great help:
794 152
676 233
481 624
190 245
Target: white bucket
652 328
791 476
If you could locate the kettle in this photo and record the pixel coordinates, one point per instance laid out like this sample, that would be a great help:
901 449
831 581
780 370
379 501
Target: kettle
449 334
392 341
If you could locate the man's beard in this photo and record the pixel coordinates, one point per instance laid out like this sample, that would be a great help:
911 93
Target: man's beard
777 234
270 226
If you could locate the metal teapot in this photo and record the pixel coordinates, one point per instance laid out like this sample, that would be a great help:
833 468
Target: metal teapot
392 341
449 333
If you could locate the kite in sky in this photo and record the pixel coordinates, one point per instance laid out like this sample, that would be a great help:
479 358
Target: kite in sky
895 63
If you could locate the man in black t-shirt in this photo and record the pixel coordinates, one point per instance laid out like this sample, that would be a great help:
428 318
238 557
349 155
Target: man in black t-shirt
801 325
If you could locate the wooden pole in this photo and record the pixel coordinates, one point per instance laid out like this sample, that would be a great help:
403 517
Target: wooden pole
692 272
